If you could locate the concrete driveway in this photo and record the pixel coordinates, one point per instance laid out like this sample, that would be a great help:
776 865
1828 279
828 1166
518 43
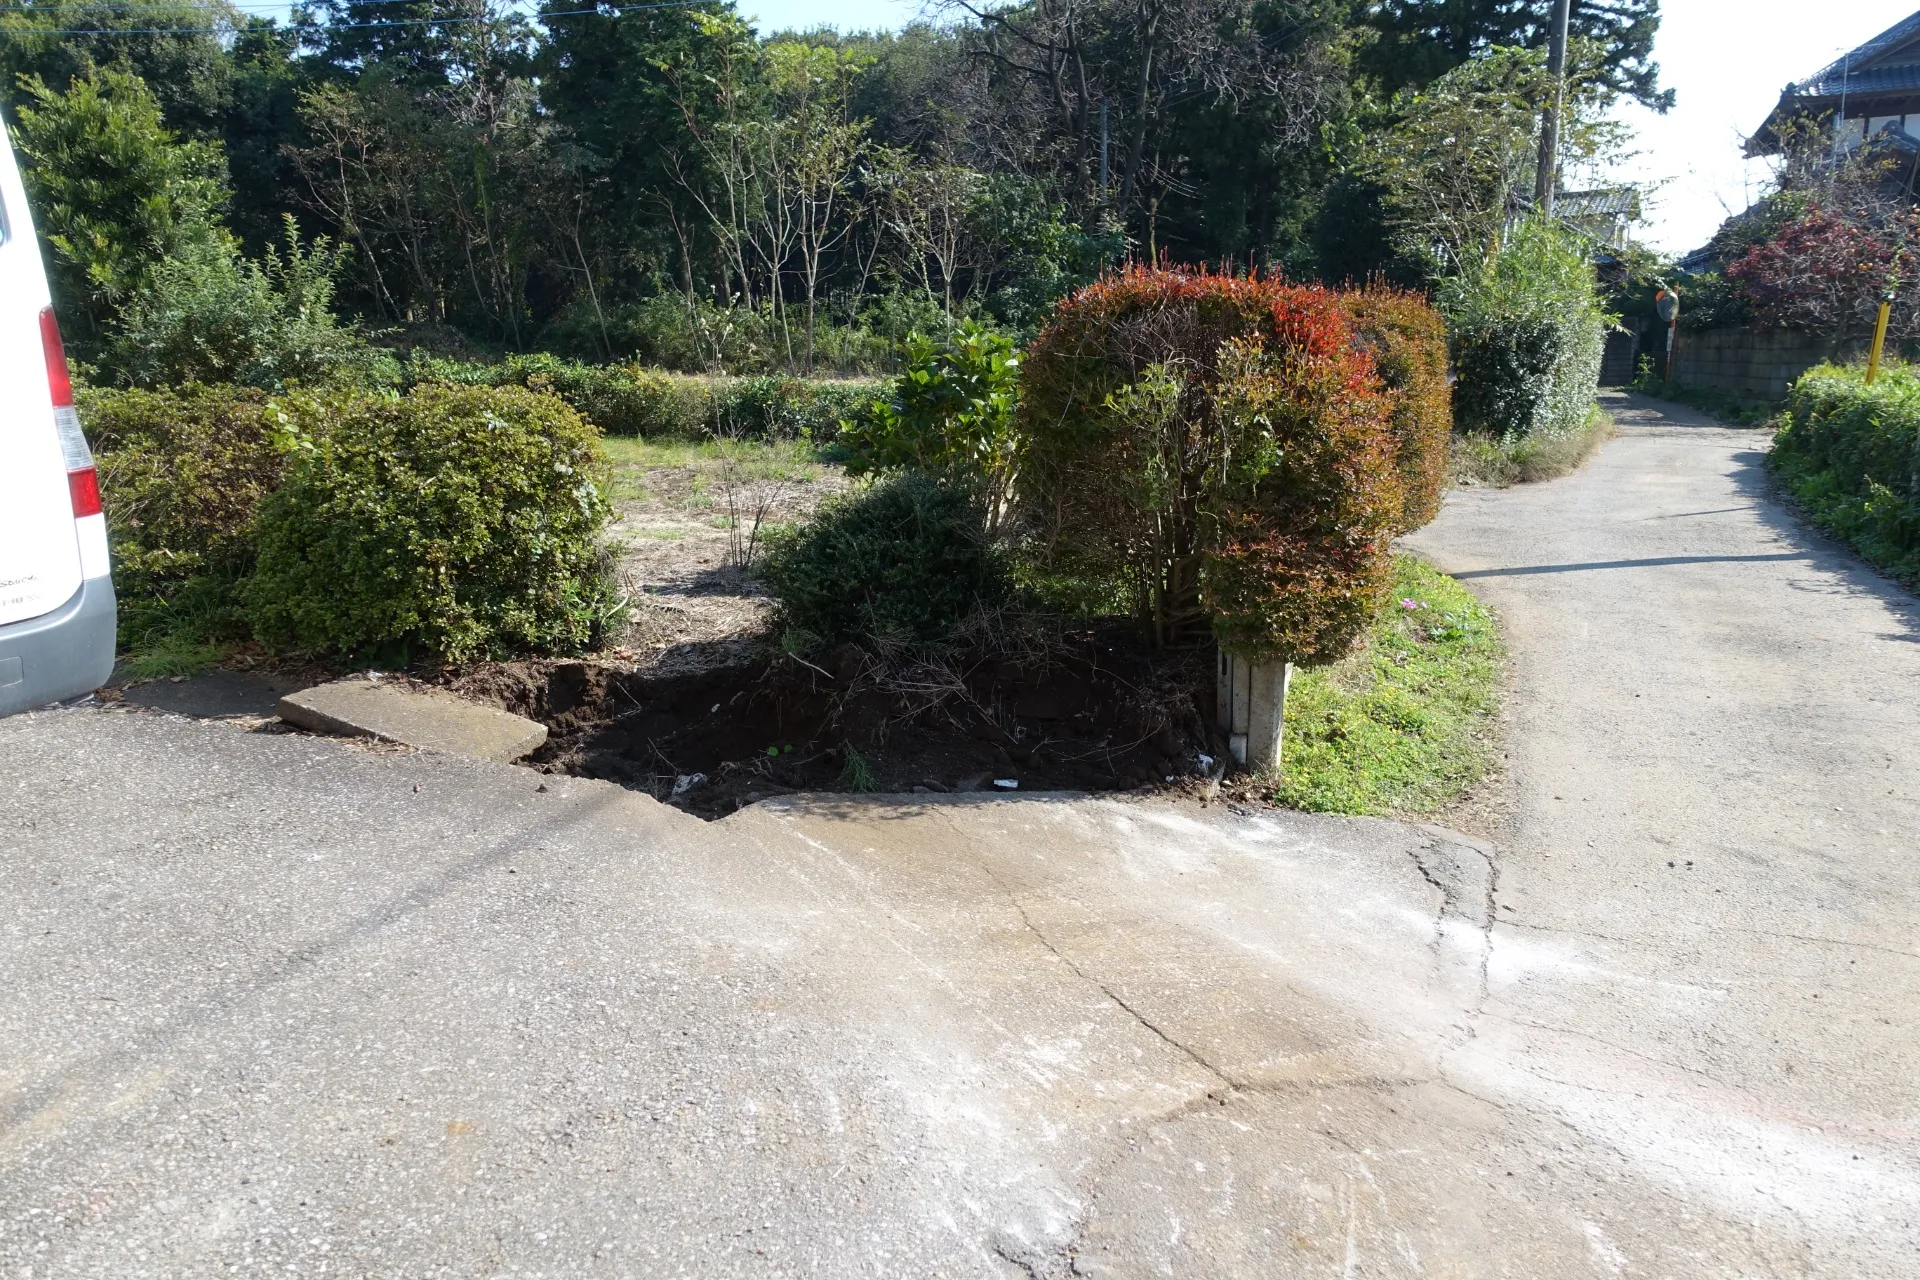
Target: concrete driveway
281 1005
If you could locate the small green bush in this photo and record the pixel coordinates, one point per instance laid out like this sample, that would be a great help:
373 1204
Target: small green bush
901 562
182 475
1850 454
950 415
1527 332
208 314
454 521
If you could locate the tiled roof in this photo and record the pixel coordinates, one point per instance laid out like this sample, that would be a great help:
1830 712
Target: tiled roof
1869 80
1860 74
1610 200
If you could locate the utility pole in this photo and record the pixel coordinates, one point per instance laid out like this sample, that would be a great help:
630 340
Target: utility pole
1547 178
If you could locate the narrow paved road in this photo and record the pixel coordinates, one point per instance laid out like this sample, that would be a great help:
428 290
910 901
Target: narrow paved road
1716 764
277 1005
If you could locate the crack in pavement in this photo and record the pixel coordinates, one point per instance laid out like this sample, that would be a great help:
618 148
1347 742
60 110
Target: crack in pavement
1188 1051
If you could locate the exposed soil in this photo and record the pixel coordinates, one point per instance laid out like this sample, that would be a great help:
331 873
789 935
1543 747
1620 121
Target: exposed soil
1097 713
691 609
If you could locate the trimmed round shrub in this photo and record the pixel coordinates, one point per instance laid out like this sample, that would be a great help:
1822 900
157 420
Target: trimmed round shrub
1408 340
1222 450
453 521
901 562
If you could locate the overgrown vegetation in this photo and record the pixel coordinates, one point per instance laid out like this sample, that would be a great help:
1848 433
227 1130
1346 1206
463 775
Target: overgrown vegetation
1527 332
1406 724
1847 454
1506 460
663 184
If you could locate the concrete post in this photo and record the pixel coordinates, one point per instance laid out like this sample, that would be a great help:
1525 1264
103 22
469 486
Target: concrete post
1250 703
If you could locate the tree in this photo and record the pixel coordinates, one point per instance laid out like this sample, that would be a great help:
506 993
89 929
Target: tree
1126 77
1461 159
1421 40
1828 271
175 47
115 192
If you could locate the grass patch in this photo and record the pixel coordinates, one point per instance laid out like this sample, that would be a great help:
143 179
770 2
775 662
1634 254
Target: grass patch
1405 725
1729 407
170 654
1499 462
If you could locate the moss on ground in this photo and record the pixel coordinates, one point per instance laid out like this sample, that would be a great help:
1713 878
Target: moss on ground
1406 724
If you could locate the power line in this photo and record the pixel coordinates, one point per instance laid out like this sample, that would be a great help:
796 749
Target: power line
612 12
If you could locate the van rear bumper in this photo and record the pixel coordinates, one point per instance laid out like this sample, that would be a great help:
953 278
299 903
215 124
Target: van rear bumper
62 654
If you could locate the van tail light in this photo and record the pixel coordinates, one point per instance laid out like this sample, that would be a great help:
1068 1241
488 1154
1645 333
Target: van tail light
82 482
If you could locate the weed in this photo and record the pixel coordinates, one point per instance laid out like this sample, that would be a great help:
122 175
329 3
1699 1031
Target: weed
856 773
176 653
1499 462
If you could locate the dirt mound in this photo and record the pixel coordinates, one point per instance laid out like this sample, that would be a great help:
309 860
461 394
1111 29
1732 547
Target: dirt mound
1097 713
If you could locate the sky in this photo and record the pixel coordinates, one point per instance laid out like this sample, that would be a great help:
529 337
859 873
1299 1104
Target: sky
1727 61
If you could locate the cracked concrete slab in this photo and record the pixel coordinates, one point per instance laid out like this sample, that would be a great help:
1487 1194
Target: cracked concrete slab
392 712
413 1014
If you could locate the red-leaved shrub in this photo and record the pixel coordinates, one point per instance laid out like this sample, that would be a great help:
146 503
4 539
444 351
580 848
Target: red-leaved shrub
1223 449
1408 339
1827 273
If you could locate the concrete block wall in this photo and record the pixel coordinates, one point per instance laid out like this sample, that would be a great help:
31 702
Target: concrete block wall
1760 363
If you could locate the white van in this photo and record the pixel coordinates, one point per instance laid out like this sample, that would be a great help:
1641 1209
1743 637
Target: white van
56 598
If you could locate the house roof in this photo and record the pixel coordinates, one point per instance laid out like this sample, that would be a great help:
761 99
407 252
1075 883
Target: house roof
1888 62
1605 201
1886 65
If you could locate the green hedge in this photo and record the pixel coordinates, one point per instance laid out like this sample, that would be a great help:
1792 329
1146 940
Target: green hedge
454 521
628 400
1850 455
450 520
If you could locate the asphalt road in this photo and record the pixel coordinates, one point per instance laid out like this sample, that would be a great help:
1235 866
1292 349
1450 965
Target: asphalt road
280 1005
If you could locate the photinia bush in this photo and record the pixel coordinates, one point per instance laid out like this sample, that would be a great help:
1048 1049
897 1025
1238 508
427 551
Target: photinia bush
1222 448
1408 339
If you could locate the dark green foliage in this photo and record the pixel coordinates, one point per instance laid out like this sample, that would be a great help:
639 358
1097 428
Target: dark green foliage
454 521
182 475
903 562
1850 455
1421 40
174 46
115 194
